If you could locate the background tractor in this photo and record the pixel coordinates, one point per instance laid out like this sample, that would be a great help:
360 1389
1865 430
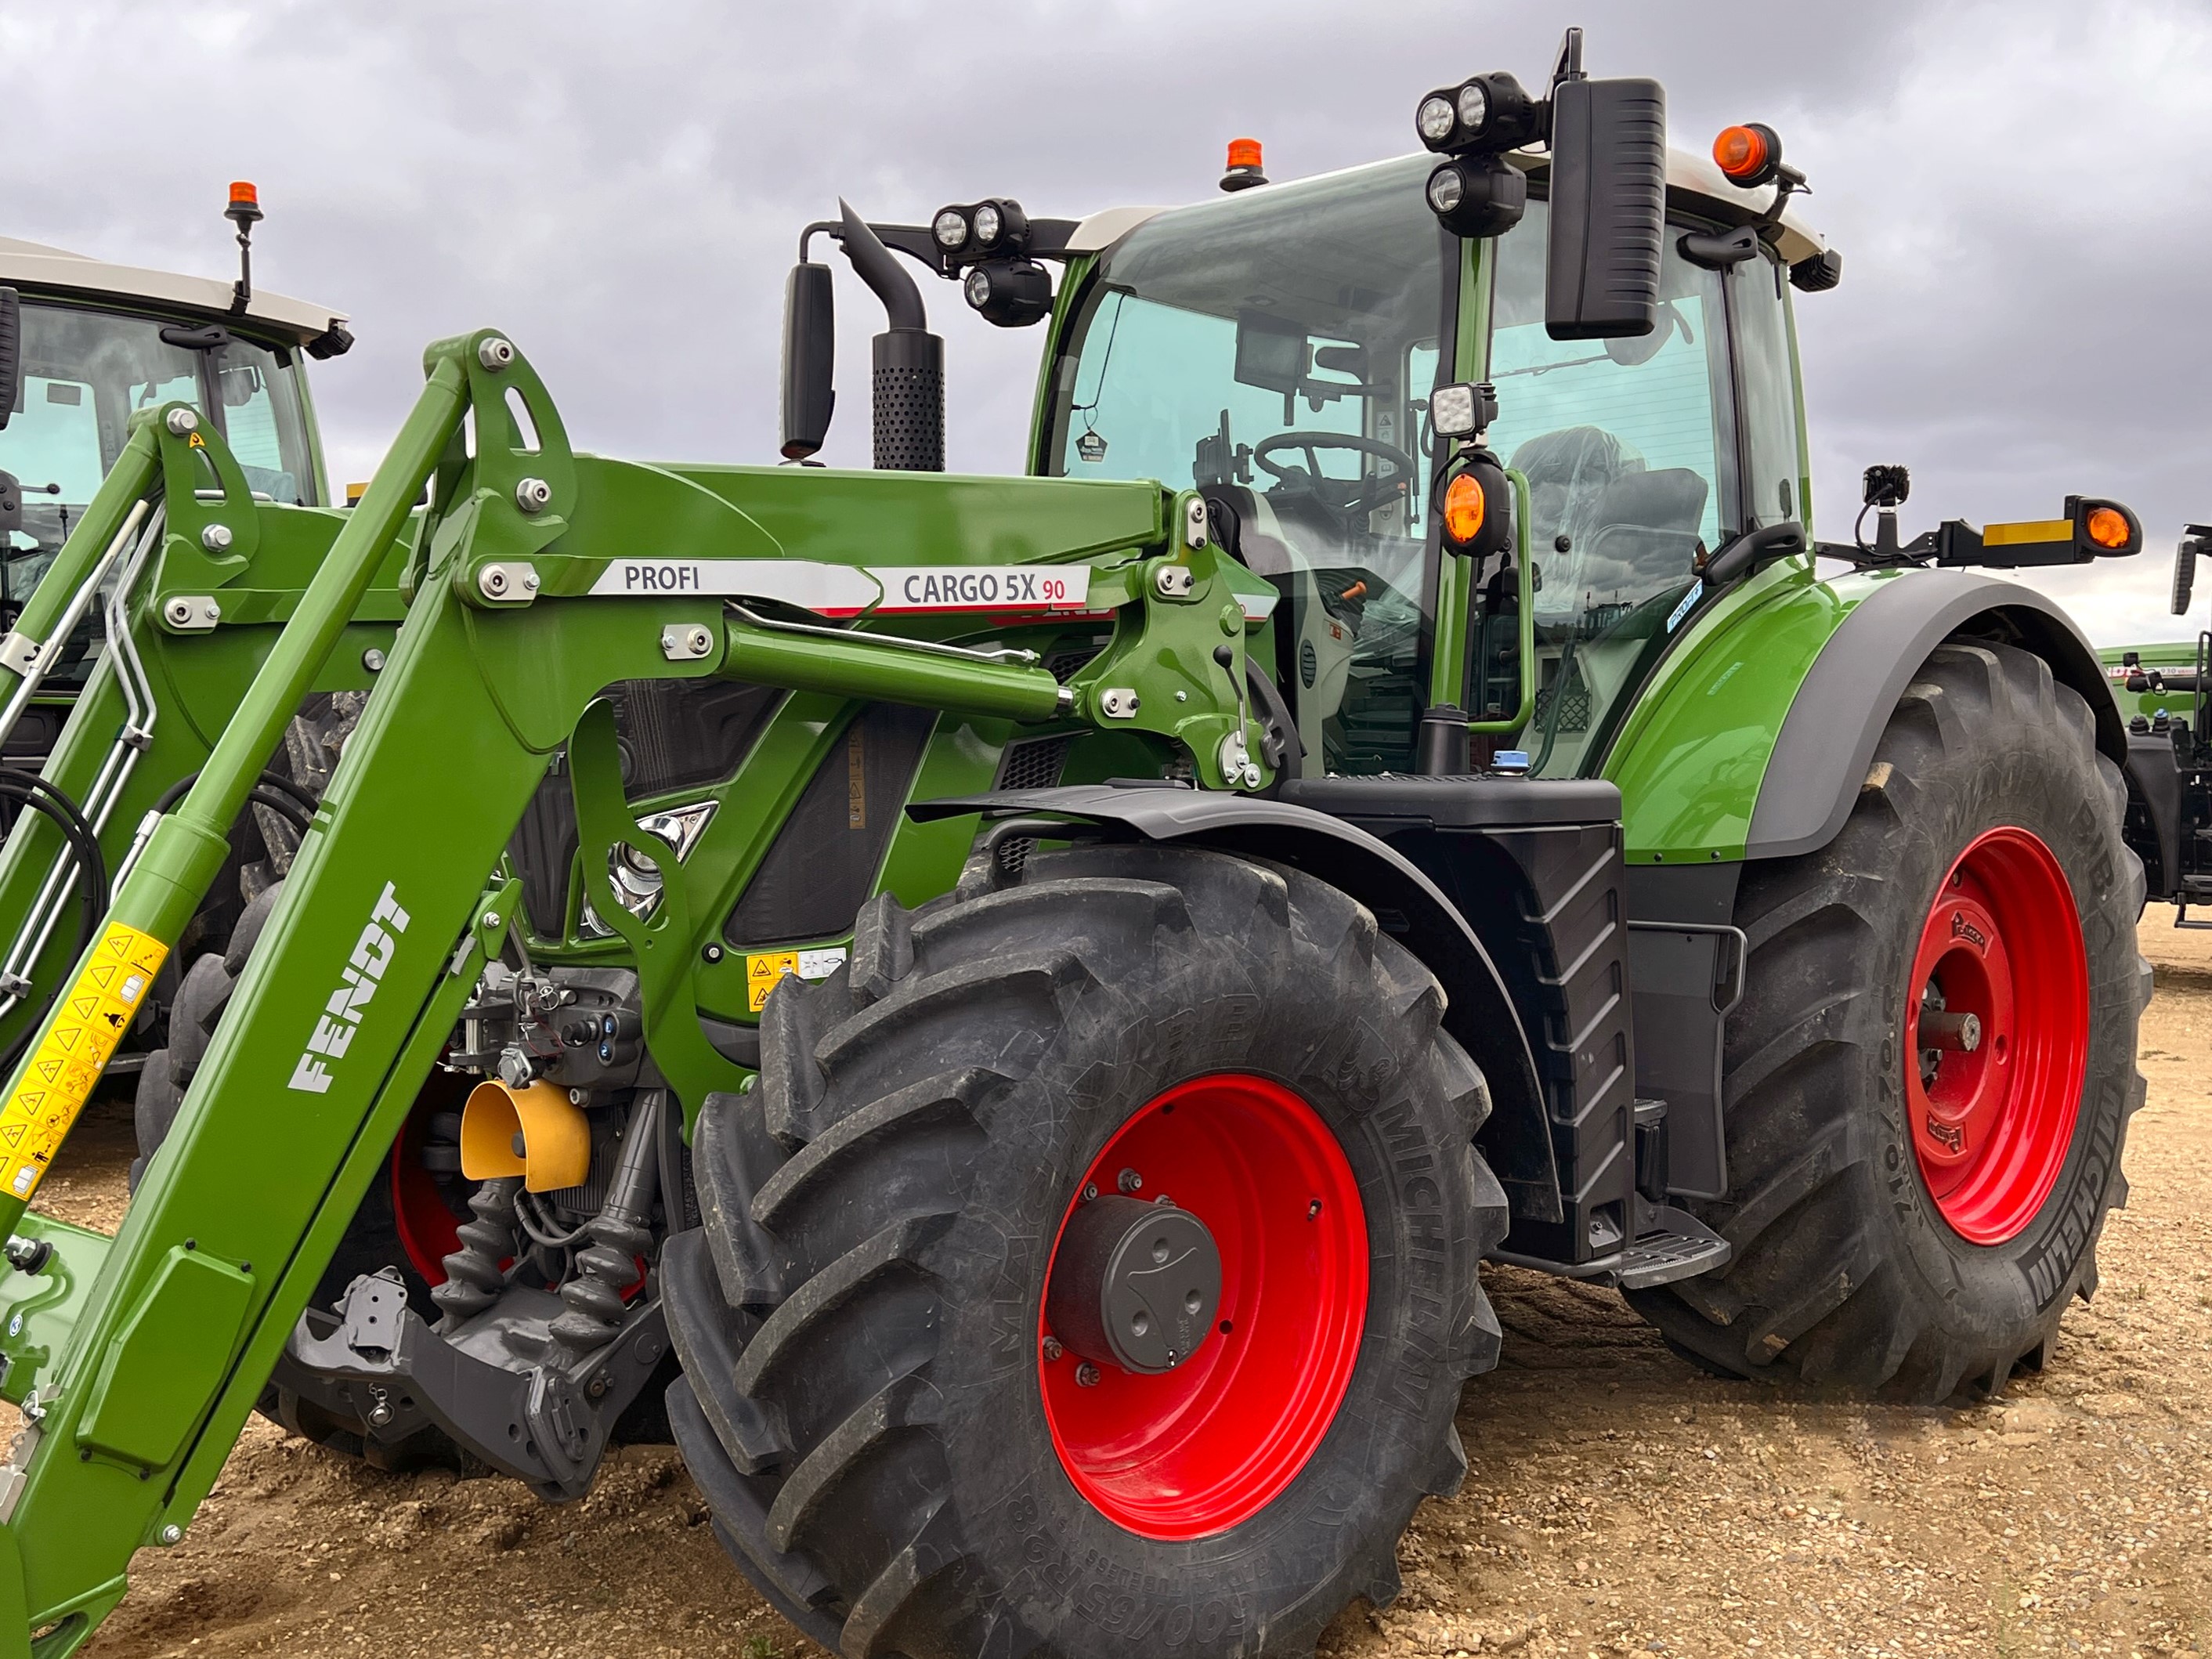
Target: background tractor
1040 993
84 345
2160 690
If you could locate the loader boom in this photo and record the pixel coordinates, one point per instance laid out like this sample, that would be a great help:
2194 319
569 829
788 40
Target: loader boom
398 894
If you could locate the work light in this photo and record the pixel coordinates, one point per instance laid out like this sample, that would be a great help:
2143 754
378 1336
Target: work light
1492 113
1011 293
1478 195
949 228
989 223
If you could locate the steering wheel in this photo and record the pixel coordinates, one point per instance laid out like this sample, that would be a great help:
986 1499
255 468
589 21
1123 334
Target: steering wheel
1348 496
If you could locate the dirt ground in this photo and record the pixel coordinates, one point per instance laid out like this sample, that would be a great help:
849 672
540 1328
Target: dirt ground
1620 1503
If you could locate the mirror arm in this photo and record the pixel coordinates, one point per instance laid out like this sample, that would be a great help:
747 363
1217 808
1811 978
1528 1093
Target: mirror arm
1752 549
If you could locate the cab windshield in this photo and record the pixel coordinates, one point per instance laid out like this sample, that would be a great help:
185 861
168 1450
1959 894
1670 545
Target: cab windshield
1277 349
84 373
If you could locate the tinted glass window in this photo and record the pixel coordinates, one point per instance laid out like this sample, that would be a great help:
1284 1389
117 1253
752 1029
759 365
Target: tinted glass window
1629 449
1278 349
1759 294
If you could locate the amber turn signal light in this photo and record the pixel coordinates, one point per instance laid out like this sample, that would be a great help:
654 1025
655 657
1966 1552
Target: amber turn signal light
2107 526
1465 508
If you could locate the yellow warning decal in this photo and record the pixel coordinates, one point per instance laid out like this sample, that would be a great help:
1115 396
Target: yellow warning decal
765 968
80 1033
763 971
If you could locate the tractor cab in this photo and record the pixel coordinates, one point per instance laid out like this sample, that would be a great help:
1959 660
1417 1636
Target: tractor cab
1278 349
91 344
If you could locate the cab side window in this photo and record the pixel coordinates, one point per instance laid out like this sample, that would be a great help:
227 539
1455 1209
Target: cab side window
1629 448
1759 295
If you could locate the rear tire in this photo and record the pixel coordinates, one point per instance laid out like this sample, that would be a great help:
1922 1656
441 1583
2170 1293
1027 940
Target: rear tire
868 1402
1866 1258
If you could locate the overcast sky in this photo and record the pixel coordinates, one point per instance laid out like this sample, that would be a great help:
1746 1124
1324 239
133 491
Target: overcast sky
2020 191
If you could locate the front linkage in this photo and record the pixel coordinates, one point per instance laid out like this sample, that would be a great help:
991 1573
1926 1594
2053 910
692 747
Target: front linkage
150 1352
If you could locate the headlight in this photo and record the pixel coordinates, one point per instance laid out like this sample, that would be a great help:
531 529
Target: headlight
978 287
1434 119
1446 188
949 228
1473 107
988 223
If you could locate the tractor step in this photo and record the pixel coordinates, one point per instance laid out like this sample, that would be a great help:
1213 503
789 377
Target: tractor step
1676 1246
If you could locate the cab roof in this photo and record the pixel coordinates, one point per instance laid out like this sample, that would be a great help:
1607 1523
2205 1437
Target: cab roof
1694 181
33 268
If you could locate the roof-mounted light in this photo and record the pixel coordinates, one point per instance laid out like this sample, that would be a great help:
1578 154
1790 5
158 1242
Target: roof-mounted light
1492 113
1243 169
1749 155
993 228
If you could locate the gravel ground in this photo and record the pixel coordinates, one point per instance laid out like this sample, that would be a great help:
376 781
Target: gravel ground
1620 1503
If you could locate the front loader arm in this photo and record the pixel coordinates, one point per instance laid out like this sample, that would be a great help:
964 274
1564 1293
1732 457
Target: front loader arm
398 894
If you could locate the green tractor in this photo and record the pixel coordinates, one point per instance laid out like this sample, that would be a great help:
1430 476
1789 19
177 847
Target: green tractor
1036 996
88 345
2162 691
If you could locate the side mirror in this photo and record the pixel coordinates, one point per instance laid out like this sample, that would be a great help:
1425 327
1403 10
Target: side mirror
11 354
2197 540
1608 193
810 352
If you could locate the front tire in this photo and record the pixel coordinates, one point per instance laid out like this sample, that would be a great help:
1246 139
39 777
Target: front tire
893 1450
1929 1078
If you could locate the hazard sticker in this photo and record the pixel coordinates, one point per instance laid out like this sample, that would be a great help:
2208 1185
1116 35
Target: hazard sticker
72 1051
765 969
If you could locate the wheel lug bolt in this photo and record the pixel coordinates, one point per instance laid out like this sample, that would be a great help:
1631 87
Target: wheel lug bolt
1089 1191
1129 1181
1087 1376
1313 1209
1052 1348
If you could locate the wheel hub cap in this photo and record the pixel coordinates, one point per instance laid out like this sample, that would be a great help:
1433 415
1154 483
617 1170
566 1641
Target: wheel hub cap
1133 1285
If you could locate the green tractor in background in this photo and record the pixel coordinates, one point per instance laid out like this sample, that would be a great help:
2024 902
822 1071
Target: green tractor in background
2160 690
1038 994
87 345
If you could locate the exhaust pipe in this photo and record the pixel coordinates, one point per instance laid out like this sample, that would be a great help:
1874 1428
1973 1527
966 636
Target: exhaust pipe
909 361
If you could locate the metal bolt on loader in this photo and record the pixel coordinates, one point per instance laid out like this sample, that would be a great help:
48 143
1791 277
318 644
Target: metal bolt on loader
1005 1014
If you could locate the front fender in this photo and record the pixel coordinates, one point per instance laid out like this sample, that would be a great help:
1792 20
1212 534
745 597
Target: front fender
1479 1011
1751 739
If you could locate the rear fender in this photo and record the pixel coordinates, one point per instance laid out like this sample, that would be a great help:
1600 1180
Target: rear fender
1479 1012
1827 740
1751 738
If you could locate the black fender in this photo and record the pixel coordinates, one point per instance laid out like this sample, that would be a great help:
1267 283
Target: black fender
1827 738
1479 1011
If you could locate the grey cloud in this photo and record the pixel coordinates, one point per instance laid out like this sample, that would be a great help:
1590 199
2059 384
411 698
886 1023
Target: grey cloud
621 187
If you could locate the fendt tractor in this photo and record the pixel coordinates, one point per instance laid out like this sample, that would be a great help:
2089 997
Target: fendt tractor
89 344
2162 690
1007 1013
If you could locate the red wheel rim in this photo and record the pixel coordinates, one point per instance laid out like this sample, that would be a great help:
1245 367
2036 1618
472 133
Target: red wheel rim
1991 1123
428 1229
1197 1449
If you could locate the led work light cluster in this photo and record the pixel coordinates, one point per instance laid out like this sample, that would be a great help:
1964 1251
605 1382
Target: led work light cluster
1474 190
992 239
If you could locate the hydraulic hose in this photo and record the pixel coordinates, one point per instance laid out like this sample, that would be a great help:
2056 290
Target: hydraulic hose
37 794
272 790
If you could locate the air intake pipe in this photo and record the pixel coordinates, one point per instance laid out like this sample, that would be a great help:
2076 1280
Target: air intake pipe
909 361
